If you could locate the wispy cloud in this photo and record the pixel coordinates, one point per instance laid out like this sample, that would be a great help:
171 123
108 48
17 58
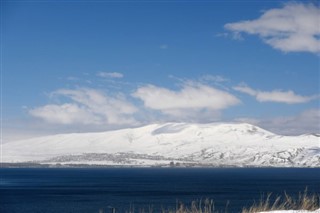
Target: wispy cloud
307 121
191 98
110 75
234 35
87 106
164 46
217 79
288 97
72 78
214 78
293 28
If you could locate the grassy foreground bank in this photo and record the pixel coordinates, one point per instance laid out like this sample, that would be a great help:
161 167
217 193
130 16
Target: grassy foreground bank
303 201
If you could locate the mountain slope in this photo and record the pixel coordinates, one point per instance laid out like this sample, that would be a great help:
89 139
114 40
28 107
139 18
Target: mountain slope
159 144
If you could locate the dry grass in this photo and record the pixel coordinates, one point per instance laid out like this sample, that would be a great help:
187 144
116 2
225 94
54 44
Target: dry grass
304 201
207 206
202 206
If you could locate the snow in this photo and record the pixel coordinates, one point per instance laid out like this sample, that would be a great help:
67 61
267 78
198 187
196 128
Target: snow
293 211
216 144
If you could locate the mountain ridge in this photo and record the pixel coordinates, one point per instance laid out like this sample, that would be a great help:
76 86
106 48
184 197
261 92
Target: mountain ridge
209 145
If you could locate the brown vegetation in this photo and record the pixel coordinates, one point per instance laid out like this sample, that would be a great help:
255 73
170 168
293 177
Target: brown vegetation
304 201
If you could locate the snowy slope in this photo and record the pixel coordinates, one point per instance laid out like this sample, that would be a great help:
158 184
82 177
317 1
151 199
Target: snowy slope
160 144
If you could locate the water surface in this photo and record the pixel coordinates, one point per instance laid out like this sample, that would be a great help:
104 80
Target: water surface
91 190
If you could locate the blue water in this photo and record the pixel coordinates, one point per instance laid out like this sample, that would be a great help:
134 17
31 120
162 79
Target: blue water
91 190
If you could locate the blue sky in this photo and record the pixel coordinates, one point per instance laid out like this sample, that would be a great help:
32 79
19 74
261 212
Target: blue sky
76 66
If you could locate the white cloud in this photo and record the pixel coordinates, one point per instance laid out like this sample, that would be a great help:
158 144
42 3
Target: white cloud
293 28
193 99
87 106
253 121
288 97
306 122
65 114
110 75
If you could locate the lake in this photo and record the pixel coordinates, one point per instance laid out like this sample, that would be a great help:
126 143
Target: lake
92 189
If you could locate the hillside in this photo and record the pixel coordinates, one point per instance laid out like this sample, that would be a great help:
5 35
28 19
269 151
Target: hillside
179 144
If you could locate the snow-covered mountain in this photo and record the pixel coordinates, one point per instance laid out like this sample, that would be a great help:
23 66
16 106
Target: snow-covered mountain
177 144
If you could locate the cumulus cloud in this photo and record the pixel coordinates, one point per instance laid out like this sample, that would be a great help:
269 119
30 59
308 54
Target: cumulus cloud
65 114
87 106
288 97
191 100
110 75
293 28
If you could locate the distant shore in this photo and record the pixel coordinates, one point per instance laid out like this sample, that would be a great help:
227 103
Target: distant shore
45 165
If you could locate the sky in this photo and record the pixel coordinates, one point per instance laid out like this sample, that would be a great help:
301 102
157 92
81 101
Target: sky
86 66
